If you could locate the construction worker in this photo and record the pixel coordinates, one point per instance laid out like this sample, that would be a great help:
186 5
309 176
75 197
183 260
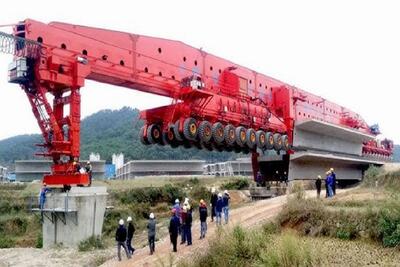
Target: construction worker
333 180
151 228
42 196
213 203
259 179
120 237
183 224
177 207
174 225
203 218
318 183
89 170
188 225
218 208
329 182
131 231
225 209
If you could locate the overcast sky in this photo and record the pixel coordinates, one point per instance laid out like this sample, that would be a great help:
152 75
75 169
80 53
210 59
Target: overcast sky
345 51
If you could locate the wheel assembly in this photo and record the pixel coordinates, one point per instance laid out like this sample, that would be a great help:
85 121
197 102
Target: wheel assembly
285 142
154 134
218 133
277 141
260 137
169 137
143 139
269 140
240 134
229 135
176 131
205 132
190 129
251 139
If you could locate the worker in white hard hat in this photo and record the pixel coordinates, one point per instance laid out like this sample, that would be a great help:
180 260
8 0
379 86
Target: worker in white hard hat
131 232
151 230
225 209
318 183
213 203
177 208
120 237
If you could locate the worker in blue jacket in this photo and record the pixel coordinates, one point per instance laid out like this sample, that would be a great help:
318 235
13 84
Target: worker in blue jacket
225 209
332 171
42 197
174 225
329 182
218 208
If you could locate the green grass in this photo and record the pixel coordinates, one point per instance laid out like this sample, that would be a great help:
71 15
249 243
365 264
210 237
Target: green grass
93 242
242 247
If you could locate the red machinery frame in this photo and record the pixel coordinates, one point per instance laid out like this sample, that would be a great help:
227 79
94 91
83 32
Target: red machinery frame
216 104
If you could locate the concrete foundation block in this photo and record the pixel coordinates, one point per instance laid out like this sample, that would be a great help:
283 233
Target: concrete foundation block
72 217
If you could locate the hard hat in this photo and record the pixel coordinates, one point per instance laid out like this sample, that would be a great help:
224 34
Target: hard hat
219 195
201 201
328 172
121 222
331 170
88 162
226 192
186 200
151 216
129 219
177 201
319 177
213 190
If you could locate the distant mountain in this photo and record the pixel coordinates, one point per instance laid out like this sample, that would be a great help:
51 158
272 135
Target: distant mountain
107 132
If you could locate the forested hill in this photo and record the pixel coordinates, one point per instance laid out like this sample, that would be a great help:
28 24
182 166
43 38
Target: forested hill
107 132
113 131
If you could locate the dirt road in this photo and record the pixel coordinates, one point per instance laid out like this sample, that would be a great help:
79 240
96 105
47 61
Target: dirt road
250 215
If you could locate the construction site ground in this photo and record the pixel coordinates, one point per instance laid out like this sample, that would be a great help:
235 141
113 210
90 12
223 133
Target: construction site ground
248 215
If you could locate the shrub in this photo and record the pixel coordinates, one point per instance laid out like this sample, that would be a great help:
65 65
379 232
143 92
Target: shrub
39 241
236 184
93 242
16 225
389 223
6 242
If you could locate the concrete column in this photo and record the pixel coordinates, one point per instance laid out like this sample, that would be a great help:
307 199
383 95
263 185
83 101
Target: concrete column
74 216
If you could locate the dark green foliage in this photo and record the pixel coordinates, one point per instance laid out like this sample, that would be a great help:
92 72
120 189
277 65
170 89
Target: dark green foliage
236 184
107 132
39 241
389 223
93 242
152 195
17 225
6 242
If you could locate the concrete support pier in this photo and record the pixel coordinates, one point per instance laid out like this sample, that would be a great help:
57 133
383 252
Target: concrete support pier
69 218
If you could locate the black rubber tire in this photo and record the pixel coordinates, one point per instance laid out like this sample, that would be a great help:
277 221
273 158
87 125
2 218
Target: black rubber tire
240 141
269 137
218 133
143 139
251 139
154 134
285 143
261 141
277 141
190 129
205 132
229 135
169 138
178 135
